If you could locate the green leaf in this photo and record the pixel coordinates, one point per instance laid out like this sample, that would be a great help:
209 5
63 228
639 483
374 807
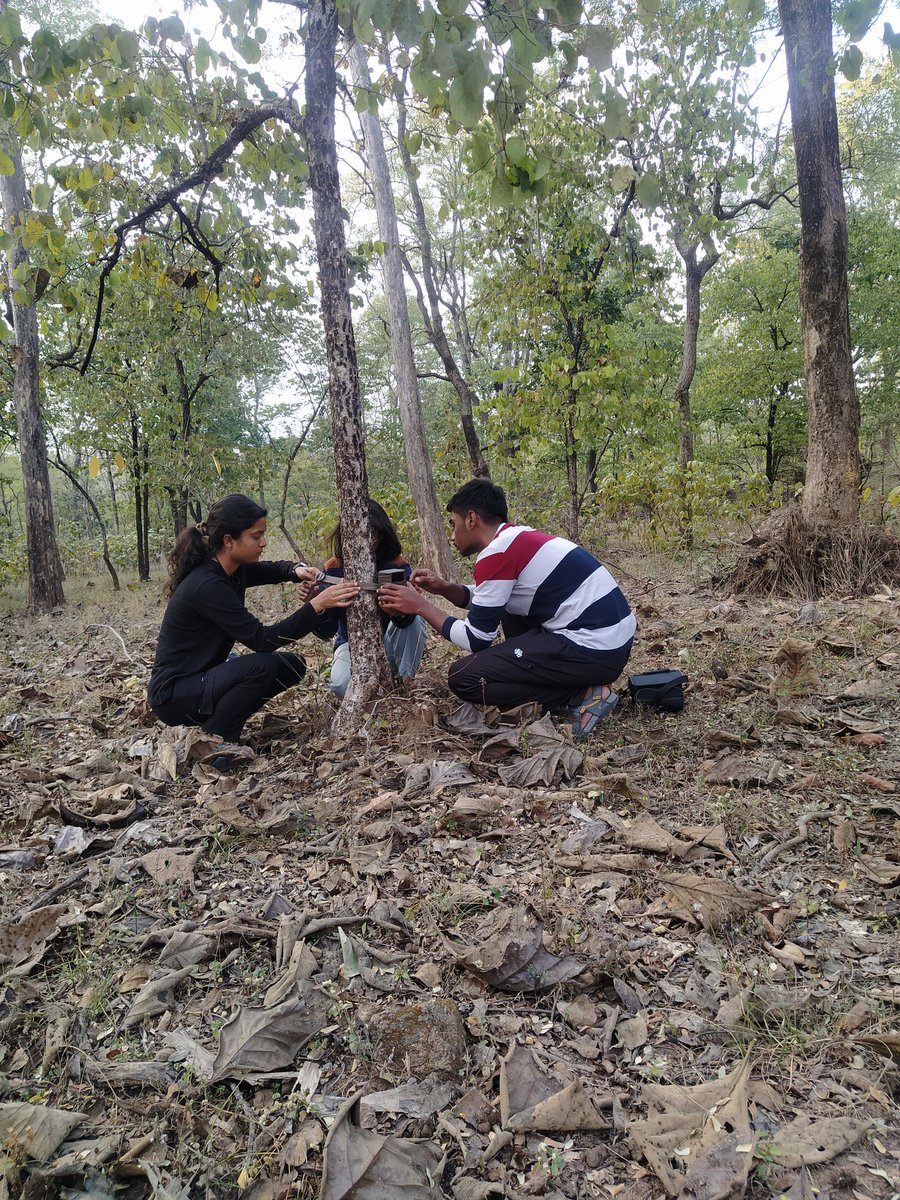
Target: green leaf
41 195
855 17
171 28
597 44
516 150
568 13
851 63
648 191
249 49
467 92
202 55
7 166
621 178
647 9
127 47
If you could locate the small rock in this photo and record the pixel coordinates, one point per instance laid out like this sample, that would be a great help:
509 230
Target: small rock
416 1040
809 615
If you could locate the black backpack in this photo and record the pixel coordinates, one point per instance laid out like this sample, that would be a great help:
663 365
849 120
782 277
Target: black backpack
662 690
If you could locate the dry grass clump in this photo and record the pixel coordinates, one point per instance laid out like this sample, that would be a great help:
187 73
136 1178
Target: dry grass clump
802 561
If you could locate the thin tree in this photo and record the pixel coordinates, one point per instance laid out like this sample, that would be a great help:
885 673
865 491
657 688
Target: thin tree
435 547
45 572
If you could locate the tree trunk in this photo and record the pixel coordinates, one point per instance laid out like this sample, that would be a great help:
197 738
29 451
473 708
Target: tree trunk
45 572
435 546
370 670
831 493
693 277
185 398
573 530
143 561
434 322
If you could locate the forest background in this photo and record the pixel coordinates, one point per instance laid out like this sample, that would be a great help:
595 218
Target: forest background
546 276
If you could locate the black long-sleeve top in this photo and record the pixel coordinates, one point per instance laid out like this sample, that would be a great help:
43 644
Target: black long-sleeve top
206 616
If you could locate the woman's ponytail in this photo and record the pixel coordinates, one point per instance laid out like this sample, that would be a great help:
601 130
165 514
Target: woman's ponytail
191 549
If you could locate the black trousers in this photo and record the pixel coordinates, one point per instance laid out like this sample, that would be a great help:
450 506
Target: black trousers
536 665
221 699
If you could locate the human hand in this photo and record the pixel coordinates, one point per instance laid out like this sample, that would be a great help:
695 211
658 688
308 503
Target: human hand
338 595
305 574
427 581
398 598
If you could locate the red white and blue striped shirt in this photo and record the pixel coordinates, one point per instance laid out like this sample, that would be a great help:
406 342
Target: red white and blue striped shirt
549 580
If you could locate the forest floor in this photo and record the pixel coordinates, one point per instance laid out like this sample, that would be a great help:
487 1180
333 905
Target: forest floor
478 959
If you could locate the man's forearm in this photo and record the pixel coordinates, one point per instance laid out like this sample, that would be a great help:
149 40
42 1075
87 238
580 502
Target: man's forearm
456 594
436 617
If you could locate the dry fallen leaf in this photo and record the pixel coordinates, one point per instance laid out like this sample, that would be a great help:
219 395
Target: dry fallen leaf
27 937
710 902
508 953
807 1141
170 865
885 1044
35 1130
267 1039
684 1123
155 997
530 1099
795 671
364 1165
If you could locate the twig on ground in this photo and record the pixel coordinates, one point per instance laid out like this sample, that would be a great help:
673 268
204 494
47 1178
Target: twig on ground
45 897
803 836
117 635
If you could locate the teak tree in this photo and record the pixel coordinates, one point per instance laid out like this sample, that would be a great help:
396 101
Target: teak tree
831 492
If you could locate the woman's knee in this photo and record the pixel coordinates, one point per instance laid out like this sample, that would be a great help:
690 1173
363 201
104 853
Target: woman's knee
340 670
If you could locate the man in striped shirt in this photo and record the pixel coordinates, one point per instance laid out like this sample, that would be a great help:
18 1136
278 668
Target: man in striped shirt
568 628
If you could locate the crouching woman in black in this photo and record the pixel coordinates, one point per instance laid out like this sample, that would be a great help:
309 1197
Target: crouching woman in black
194 681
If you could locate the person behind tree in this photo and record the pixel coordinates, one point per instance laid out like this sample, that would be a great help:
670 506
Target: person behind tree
196 680
567 625
404 633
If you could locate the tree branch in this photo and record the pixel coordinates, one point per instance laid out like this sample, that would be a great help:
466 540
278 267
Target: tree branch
242 128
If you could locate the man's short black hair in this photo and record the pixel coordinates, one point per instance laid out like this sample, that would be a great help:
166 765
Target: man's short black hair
482 497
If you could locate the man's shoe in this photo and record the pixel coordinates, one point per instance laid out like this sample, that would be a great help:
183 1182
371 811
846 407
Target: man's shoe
587 715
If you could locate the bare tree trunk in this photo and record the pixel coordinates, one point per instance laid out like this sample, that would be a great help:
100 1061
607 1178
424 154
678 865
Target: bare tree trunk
573 507
45 572
370 673
435 547
694 272
431 314
112 497
137 472
831 493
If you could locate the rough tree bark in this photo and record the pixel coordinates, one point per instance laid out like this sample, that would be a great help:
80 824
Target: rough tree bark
370 669
435 547
831 492
45 573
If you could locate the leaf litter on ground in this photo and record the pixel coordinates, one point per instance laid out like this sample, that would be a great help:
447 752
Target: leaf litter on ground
594 933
